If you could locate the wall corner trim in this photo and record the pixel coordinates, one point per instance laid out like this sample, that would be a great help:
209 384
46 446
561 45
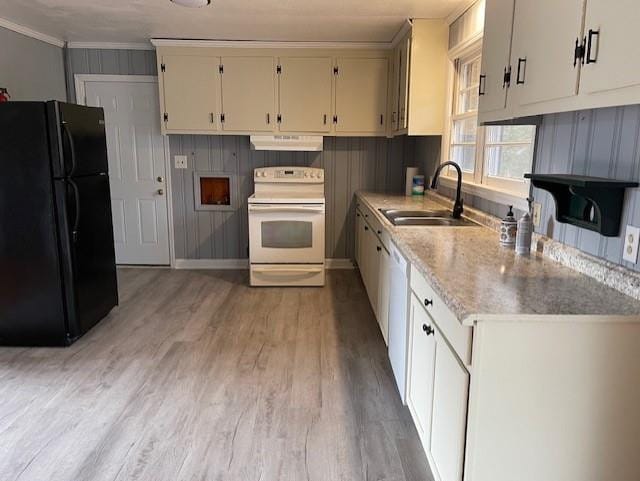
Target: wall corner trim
167 42
29 32
111 45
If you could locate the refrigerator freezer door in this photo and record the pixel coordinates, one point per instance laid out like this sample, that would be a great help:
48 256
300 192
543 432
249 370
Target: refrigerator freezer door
88 242
81 139
31 291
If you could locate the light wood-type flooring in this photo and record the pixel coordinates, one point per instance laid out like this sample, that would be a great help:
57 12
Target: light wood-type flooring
198 377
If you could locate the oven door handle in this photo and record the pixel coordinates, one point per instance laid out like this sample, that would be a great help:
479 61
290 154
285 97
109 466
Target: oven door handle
289 208
287 270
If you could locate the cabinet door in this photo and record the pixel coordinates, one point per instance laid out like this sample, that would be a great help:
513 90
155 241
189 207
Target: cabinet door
191 92
614 56
449 419
305 94
361 95
384 273
358 237
544 35
422 359
394 87
248 94
403 100
496 49
373 265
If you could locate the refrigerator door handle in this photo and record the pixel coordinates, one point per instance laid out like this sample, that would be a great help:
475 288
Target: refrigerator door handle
76 197
72 147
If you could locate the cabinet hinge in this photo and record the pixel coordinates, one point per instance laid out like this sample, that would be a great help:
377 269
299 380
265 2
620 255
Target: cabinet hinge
221 68
506 80
166 117
279 118
336 70
579 51
335 119
163 67
279 69
222 118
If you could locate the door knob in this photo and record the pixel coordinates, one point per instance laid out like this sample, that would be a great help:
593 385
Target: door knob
160 191
160 179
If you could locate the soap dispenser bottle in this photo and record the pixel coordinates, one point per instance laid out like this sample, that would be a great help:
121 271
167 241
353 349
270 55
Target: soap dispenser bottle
525 233
508 229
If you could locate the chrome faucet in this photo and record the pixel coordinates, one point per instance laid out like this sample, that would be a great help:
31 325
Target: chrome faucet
457 206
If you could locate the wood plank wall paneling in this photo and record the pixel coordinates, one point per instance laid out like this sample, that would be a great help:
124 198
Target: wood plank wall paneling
350 164
599 142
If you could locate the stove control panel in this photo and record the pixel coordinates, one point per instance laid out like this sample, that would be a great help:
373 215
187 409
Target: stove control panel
305 175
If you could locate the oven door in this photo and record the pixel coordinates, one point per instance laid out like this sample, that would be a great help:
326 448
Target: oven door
286 234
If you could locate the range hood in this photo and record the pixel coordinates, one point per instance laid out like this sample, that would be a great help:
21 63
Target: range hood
302 143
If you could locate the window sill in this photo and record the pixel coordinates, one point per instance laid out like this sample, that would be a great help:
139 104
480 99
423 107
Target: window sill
488 193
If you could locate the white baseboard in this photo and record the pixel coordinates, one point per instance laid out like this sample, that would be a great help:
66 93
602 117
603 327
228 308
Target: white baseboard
339 264
244 264
212 264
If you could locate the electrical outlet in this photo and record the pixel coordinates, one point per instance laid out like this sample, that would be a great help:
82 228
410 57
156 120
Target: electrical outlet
180 161
631 241
537 214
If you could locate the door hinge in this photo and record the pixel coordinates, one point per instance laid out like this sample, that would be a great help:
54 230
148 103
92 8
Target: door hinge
163 67
166 117
279 69
221 68
506 80
335 119
336 70
279 118
579 51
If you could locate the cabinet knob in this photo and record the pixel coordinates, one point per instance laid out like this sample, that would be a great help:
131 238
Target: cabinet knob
378 248
428 330
366 228
379 232
428 302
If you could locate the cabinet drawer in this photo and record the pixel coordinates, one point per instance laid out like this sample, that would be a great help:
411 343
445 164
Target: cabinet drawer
457 335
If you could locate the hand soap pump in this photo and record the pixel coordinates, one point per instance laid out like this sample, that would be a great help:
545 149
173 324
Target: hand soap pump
508 228
525 233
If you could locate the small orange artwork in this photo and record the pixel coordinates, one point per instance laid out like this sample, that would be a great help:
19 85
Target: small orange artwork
215 191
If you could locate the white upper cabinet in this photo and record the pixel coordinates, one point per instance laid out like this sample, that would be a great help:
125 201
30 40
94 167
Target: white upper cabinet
404 52
496 45
361 95
248 94
191 87
542 56
304 86
612 57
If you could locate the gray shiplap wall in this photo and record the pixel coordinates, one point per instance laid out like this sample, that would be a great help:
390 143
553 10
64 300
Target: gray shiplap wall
107 62
350 164
30 69
601 143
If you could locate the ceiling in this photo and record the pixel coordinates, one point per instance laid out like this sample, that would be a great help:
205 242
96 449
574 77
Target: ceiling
284 20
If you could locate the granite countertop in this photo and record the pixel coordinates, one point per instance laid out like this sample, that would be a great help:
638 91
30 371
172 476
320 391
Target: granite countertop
478 279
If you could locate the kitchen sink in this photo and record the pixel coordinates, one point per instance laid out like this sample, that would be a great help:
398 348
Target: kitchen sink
424 217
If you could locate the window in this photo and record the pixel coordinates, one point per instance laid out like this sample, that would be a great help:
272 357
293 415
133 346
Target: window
496 157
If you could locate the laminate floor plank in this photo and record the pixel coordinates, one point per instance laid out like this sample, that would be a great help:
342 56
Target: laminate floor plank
195 376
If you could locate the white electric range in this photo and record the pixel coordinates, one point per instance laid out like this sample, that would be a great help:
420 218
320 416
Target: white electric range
286 227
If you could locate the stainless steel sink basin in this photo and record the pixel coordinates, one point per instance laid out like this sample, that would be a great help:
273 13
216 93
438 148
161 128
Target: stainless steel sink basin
433 221
424 217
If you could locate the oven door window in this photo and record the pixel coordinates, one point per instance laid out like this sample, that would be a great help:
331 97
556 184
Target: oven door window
287 234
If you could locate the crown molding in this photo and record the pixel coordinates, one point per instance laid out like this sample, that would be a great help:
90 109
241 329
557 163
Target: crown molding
406 26
111 45
29 32
167 42
458 12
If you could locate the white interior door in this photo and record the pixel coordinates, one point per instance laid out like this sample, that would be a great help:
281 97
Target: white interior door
136 169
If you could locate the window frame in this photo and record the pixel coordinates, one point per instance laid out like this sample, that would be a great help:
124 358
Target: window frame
478 183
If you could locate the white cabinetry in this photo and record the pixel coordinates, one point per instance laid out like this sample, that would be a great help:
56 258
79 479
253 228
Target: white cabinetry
384 273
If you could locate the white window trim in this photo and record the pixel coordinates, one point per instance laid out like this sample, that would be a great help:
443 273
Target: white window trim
472 184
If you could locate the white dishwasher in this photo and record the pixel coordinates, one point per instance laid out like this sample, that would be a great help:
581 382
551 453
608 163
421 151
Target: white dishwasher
399 317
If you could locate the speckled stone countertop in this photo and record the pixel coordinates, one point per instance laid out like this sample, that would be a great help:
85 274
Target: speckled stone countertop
478 279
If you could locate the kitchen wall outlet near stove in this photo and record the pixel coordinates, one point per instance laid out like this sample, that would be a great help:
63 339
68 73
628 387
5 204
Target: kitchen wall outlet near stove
631 242
180 161
536 216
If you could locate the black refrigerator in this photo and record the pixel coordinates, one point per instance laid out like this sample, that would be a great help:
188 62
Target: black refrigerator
57 258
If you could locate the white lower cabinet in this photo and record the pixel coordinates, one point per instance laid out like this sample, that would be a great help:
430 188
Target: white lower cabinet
384 272
437 395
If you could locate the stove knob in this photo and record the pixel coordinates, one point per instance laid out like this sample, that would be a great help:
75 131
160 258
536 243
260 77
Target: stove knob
320 175
313 174
306 174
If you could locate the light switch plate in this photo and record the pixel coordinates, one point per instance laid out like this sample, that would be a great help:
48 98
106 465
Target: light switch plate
180 161
537 214
631 242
